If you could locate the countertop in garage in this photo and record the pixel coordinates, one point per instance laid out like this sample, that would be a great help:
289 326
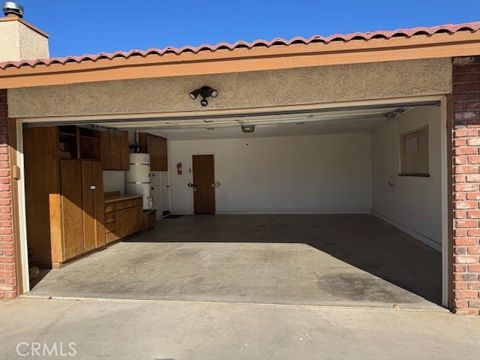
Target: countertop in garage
116 196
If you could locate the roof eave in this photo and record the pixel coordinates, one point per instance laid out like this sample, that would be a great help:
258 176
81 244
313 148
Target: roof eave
441 45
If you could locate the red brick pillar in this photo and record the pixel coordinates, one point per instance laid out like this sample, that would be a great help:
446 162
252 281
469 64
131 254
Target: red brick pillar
466 185
8 271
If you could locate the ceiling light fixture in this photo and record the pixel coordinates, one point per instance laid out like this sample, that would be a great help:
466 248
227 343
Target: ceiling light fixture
248 129
204 92
397 112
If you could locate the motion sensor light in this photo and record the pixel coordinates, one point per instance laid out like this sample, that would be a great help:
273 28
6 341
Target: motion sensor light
205 92
194 94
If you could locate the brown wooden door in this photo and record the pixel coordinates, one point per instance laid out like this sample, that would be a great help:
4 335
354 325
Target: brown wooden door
203 184
72 209
99 203
89 214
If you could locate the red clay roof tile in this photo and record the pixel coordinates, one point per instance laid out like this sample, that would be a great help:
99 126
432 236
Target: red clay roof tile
365 36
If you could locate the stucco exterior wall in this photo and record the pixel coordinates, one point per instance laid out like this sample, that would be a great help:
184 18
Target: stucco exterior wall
238 91
20 42
9 49
32 44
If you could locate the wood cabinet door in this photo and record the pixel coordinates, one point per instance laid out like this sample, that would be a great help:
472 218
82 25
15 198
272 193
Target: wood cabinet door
154 151
163 154
115 152
89 214
124 222
99 203
156 146
72 208
129 221
124 150
139 217
119 151
42 199
105 149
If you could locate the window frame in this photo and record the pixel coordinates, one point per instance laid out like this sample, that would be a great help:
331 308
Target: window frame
403 137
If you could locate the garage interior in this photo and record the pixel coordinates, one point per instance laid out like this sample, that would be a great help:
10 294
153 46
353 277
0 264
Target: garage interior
333 206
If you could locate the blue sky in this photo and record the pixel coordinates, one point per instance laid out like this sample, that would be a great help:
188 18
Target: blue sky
88 26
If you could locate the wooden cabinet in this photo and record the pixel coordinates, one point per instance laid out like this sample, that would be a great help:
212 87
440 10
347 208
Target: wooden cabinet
123 217
92 201
149 219
114 150
71 218
105 155
64 198
99 200
81 209
42 195
156 146
79 143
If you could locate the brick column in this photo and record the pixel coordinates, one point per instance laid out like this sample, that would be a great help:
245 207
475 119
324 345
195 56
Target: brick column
466 185
8 278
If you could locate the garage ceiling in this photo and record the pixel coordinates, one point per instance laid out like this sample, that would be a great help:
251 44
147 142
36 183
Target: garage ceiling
288 129
312 123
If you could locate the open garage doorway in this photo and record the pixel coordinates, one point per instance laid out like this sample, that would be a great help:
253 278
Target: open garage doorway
341 206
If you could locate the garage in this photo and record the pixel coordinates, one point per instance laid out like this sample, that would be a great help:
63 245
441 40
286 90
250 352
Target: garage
335 206
328 170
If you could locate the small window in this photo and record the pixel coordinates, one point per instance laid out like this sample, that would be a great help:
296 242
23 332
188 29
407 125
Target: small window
414 153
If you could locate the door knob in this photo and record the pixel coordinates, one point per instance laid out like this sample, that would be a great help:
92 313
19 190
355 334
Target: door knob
93 187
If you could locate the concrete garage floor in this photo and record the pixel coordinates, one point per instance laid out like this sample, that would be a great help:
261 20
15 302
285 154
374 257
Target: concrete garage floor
111 329
344 260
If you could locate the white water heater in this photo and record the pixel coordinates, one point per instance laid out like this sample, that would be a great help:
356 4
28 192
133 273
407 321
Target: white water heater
138 178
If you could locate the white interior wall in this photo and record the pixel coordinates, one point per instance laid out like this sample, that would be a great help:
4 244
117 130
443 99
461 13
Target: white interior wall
114 181
411 203
295 174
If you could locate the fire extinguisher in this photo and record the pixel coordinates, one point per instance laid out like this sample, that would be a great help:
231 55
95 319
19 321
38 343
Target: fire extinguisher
179 168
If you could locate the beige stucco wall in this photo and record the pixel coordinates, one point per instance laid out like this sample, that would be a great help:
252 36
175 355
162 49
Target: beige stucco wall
33 45
9 49
20 42
236 91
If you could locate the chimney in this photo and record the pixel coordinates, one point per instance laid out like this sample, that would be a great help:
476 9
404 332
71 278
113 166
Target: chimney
20 40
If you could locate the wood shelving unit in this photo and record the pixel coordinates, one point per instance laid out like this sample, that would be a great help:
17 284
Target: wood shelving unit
79 143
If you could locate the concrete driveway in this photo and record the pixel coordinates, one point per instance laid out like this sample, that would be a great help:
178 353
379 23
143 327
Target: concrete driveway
126 329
